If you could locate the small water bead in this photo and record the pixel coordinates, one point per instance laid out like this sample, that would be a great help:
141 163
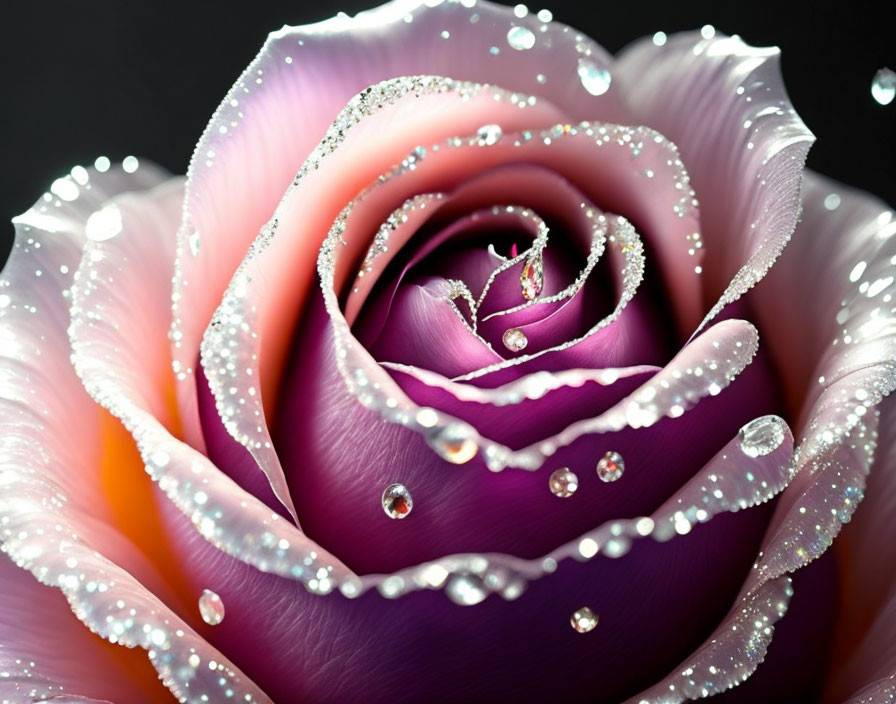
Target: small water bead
211 608
610 467
563 482
397 501
489 134
532 277
883 87
466 589
762 436
455 442
514 339
596 80
521 38
584 620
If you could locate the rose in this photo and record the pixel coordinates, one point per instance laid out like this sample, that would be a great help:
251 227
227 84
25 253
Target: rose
79 513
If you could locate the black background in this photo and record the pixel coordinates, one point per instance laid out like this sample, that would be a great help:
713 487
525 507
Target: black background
116 77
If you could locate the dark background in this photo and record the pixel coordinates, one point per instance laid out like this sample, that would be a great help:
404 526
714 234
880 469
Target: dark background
116 77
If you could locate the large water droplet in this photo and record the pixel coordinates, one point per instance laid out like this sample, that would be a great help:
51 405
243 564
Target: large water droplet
521 38
489 134
455 442
397 501
104 224
883 87
610 467
532 277
563 482
465 589
514 339
584 620
211 608
595 79
762 436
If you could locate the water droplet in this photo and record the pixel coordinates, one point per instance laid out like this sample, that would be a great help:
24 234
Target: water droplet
489 134
659 38
102 164
883 87
563 482
545 15
832 201
610 467
532 277
521 38
584 620
194 244
104 224
707 31
397 501
211 608
130 164
762 436
595 79
514 339
455 442
520 10
465 589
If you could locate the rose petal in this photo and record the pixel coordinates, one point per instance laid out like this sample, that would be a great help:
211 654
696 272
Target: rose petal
56 510
849 251
724 105
269 122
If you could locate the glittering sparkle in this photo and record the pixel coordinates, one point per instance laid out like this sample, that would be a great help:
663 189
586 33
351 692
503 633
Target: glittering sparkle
514 339
211 608
489 134
563 482
762 436
610 467
883 87
584 620
397 501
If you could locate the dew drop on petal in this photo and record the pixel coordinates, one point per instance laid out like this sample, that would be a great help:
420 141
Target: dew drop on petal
211 608
194 244
610 467
397 501
563 482
545 15
583 620
521 38
489 134
104 224
532 277
596 80
465 589
762 436
455 442
514 339
883 87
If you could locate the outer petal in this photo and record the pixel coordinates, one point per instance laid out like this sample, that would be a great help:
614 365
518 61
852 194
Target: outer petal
723 104
282 104
58 447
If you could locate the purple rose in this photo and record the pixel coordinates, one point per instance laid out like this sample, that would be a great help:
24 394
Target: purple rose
456 334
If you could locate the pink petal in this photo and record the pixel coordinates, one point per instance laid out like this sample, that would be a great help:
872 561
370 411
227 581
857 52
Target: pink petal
723 104
58 521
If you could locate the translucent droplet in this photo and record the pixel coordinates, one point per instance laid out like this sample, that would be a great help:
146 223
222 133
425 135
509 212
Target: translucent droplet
489 134
520 11
211 608
595 79
563 482
194 243
466 589
610 467
514 339
521 38
545 15
532 277
584 620
883 87
455 442
762 436
104 224
397 501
